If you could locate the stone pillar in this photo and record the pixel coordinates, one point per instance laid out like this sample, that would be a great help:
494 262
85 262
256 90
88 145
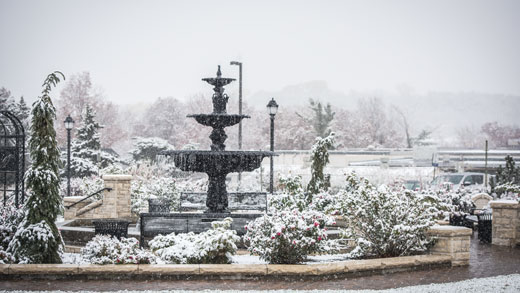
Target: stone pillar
452 241
506 222
116 202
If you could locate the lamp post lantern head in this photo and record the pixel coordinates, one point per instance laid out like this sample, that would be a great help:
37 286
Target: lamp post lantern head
272 107
69 123
235 63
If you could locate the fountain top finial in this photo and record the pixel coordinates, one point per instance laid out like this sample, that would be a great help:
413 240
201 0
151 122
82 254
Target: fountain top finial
219 74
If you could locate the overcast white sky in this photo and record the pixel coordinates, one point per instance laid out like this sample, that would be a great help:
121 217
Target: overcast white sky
139 50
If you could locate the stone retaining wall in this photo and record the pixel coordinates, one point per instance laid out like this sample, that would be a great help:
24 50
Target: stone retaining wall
114 203
506 222
452 241
232 271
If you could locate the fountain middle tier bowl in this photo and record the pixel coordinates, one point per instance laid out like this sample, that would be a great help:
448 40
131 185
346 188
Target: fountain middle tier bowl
218 120
218 162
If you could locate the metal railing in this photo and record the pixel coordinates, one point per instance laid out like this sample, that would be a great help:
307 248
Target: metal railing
89 196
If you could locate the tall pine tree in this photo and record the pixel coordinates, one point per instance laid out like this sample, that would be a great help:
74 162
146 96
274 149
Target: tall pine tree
37 239
86 148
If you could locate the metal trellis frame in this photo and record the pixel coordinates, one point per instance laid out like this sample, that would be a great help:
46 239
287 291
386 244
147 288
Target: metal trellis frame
12 158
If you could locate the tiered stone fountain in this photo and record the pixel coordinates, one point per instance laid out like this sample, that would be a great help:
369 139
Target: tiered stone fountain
217 163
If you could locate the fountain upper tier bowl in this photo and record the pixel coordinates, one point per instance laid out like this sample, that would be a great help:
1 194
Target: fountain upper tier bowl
218 81
218 120
218 162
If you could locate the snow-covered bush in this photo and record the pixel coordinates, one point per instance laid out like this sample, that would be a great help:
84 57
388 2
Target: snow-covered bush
508 191
290 184
10 218
384 223
215 246
30 243
288 237
147 148
452 202
163 188
104 249
293 196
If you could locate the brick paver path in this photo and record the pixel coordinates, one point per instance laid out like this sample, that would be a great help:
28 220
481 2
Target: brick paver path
486 261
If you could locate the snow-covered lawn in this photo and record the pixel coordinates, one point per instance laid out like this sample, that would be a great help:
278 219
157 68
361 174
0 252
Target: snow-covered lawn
508 283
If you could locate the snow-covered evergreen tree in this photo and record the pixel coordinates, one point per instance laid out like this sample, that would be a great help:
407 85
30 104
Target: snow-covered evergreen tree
23 111
37 239
320 158
86 148
7 102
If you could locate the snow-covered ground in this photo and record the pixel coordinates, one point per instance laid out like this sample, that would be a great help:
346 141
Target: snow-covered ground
75 258
508 283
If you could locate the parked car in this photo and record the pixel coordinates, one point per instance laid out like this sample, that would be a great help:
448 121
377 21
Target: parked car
458 180
414 185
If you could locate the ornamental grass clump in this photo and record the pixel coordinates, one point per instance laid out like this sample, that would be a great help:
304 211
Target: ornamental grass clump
104 249
215 246
288 236
383 223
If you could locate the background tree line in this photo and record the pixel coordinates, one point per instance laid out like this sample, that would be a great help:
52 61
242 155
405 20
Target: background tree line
372 123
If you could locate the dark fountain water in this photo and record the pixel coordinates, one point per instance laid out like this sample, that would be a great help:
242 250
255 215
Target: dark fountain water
218 162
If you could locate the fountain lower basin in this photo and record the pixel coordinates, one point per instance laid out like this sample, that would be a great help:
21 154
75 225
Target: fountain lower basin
218 162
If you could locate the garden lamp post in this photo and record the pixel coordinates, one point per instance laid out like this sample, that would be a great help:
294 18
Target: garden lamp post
69 124
272 108
239 64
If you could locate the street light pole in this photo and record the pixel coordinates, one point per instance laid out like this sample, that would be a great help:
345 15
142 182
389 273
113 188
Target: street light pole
272 107
239 101
69 124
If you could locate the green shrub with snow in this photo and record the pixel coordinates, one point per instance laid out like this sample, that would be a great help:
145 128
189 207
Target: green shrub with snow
104 249
214 246
384 223
293 196
288 236
163 188
508 191
10 218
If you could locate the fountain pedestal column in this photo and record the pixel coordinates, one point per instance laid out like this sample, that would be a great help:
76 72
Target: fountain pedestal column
217 198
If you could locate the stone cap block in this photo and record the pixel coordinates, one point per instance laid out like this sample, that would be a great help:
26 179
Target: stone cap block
117 177
168 269
504 204
107 269
446 230
39 269
233 269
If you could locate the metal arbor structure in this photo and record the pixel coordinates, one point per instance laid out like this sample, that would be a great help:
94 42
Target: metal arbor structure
12 158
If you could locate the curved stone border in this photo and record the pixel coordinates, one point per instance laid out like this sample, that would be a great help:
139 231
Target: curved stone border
235 271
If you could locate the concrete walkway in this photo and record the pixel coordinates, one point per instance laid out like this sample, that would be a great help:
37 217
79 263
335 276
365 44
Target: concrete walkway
486 261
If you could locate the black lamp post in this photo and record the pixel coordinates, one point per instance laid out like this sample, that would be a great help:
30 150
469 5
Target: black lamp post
272 108
239 64
69 124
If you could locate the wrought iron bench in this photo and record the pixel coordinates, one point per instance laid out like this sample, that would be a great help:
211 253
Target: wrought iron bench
113 227
461 220
156 205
